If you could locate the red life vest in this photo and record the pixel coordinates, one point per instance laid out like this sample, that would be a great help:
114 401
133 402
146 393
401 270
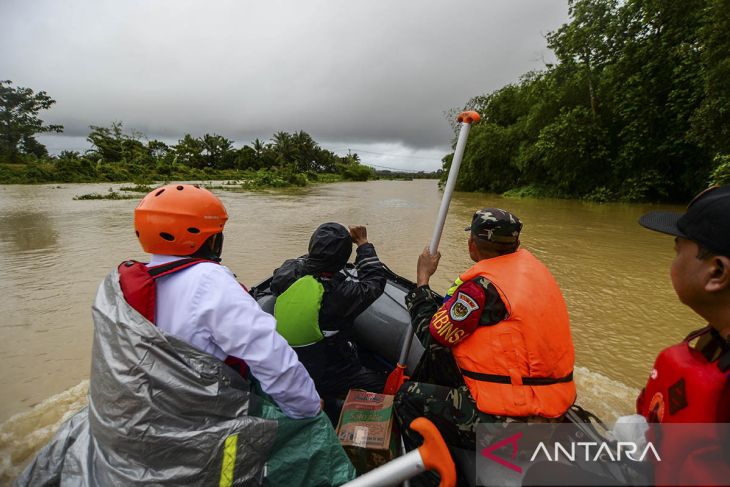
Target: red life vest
685 386
139 287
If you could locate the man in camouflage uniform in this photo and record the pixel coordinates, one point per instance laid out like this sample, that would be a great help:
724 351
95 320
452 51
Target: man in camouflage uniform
437 389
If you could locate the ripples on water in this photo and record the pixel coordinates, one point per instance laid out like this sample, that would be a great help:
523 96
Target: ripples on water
25 433
54 252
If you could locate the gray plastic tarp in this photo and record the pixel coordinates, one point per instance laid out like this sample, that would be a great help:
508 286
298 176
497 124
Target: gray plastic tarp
162 412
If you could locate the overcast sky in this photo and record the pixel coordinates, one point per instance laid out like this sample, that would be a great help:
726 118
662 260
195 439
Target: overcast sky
375 76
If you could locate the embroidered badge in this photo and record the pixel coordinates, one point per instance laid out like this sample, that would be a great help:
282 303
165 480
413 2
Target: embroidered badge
656 408
462 307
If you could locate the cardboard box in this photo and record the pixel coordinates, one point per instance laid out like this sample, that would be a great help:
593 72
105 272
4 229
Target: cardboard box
365 429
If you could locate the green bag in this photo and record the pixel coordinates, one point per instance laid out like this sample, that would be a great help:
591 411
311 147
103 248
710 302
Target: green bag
306 452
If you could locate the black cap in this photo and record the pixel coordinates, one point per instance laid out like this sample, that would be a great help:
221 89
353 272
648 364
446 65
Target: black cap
495 225
706 221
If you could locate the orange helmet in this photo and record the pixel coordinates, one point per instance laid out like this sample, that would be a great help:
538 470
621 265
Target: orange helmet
177 219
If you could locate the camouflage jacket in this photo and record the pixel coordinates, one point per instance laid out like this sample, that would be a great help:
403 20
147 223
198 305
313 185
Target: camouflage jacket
437 365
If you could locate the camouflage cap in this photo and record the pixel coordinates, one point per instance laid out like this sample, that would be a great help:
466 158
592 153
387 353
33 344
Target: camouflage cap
495 225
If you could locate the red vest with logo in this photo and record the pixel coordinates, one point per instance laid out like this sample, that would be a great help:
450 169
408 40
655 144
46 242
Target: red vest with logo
523 365
139 286
685 386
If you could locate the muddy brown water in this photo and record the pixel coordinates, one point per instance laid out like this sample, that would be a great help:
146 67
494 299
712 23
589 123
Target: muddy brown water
55 251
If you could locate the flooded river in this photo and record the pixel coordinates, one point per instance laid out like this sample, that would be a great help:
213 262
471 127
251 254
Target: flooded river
55 251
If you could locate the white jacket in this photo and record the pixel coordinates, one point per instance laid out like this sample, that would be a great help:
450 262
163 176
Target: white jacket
205 306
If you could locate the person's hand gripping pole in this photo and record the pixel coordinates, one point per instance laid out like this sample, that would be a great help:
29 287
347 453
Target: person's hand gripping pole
397 376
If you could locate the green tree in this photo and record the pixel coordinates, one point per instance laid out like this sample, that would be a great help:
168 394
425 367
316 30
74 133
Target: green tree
246 158
189 151
112 145
218 152
711 121
636 108
19 122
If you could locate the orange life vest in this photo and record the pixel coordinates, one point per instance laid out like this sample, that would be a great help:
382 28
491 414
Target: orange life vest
523 365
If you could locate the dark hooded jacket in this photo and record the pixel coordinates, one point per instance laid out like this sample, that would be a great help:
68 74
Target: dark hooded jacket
344 298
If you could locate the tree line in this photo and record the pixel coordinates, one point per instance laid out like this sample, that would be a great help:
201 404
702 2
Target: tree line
119 155
636 108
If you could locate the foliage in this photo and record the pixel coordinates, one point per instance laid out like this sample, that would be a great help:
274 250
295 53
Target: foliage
532 191
120 156
637 108
290 159
19 122
721 174
137 188
408 175
356 172
111 195
264 179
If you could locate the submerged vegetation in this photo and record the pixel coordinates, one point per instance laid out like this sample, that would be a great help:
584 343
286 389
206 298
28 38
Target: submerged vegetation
636 108
110 195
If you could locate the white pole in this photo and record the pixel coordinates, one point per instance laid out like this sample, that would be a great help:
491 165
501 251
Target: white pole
449 188
466 119
392 473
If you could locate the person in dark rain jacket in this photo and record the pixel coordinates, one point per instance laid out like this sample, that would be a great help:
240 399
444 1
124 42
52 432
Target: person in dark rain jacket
317 304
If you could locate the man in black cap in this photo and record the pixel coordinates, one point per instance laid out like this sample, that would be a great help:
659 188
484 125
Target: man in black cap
498 346
690 381
317 304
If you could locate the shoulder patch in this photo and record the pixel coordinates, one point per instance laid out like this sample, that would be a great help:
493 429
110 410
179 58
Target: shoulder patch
677 397
462 307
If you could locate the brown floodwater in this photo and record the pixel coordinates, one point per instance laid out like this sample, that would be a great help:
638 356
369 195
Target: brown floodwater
55 251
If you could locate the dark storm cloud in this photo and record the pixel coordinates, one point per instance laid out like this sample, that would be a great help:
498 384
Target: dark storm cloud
369 72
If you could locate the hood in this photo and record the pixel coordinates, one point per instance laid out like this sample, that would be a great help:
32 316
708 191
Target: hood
329 248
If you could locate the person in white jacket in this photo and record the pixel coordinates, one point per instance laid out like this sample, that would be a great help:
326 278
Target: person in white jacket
200 301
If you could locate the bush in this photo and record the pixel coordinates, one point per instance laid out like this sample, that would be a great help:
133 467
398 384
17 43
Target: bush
39 173
111 195
137 188
721 174
264 178
293 177
530 191
357 172
650 186
600 194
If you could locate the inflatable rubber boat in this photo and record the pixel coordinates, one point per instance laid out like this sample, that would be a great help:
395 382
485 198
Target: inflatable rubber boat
380 332
381 329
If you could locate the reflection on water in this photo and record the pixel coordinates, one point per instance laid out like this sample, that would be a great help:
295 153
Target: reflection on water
54 251
27 231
